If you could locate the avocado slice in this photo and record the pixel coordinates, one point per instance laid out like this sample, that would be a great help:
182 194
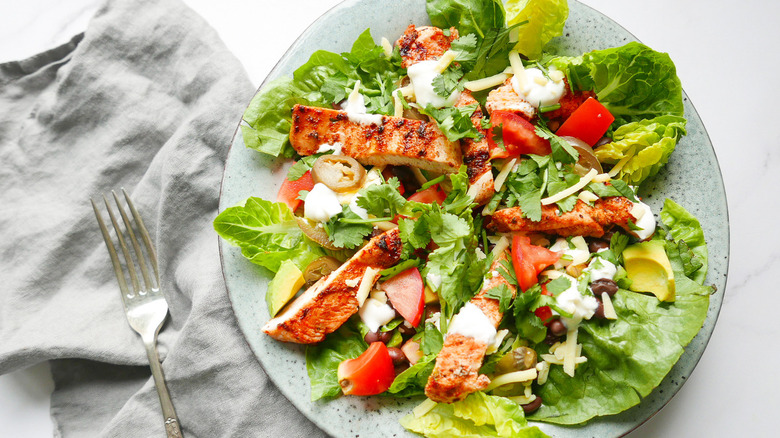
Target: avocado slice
285 284
648 267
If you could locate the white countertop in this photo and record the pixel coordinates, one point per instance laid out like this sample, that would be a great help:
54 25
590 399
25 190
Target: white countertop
728 63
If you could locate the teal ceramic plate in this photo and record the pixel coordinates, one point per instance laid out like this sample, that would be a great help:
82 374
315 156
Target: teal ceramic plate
249 173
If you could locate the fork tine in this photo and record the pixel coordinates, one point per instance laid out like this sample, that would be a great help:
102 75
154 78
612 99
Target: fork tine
125 251
137 248
145 236
120 277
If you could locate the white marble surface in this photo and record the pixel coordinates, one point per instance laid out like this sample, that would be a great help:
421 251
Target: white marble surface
727 59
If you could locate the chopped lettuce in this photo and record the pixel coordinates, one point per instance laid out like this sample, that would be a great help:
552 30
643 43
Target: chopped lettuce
479 415
545 21
323 359
633 81
630 356
411 382
267 234
646 144
324 79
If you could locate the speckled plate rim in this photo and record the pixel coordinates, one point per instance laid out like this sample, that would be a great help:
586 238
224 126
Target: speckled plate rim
352 416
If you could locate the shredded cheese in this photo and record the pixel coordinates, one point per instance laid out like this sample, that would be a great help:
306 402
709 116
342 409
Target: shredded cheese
570 352
500 247
423 408
385 225
522 399
387 47
587 196
544 371
502 176
602 178
398 106
445 61
485 83
552 274
366 283
584 181
500 335
518 70
556 75
513 377
352 282
609 309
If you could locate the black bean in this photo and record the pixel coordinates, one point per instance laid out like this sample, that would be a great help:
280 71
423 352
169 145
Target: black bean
385 337
602 141
598 244
557 327
604 285
534 405
432 308
397 355
371 337
599 313
401 368
551 339
406 331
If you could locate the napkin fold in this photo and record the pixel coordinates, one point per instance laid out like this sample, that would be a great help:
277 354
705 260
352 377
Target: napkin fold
146 99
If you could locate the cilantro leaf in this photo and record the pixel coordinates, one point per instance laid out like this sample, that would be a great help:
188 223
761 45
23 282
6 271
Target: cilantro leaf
347 235
502 294
558 285
562 150
448 82
465 48
531 205
431 340
455 122
382 199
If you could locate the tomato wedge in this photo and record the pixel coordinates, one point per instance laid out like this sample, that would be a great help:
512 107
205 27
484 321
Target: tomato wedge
368 374
545 312
519 136
529 260
289 191
430 195
588 122
406 293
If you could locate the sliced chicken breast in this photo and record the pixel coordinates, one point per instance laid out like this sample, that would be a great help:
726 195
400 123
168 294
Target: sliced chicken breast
327 304
504 98
388 141
424 43
456 373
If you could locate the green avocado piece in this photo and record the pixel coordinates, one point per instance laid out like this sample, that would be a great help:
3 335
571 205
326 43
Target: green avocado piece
648 267
287 281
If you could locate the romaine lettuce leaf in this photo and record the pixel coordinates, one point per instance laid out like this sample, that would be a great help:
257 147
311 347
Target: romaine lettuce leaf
545 21
267 234
468 16
324 79
479 415
411 382
633 81
323 359
648 143
630 356
684 226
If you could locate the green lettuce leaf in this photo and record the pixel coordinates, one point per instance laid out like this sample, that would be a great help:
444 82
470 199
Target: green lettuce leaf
323 359
648 143
545 21
630 356
684 226
479 415
633 81
323 80
267 234
411 382
468 16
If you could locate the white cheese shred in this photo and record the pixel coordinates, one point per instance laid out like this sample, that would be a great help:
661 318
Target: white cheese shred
502 176
513 377
518 69
609 309
485 83
445 61
366 283
584 181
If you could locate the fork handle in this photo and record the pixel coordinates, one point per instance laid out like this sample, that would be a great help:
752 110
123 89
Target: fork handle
169 413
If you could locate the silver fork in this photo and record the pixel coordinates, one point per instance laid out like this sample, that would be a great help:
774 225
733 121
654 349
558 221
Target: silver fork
145 307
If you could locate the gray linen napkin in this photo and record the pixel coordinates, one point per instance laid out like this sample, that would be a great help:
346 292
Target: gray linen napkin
147 100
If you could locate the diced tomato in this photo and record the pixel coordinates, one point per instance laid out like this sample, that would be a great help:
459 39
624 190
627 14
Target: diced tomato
588 122
519 136
529 260
406 293
288 193
430 195
368 374
544 313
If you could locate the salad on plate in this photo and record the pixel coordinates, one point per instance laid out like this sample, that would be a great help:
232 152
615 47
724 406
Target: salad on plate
461 224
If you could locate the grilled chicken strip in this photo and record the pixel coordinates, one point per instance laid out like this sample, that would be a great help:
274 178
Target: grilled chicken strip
582 220
392 140
476 155
424 43
429 43
327 304
504 98
456 373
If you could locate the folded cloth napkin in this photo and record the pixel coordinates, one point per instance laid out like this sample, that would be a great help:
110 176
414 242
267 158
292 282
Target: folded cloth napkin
147 100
